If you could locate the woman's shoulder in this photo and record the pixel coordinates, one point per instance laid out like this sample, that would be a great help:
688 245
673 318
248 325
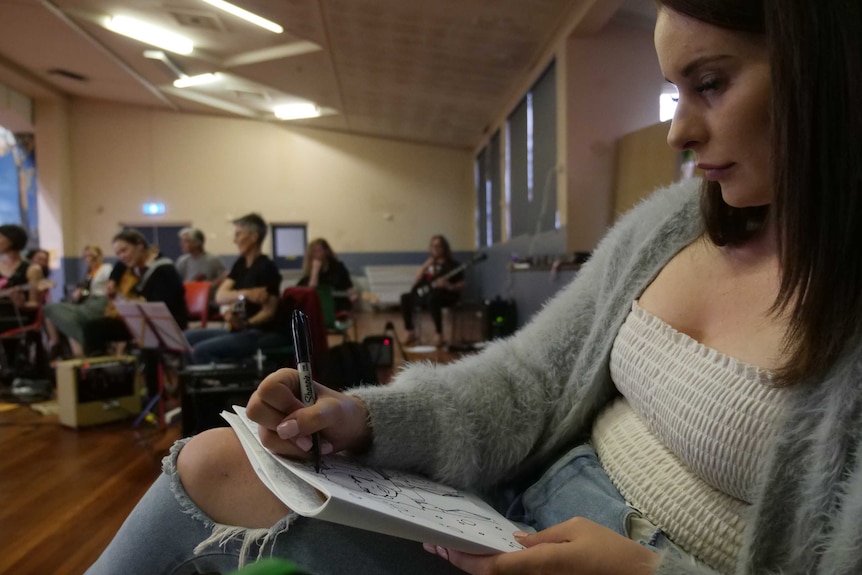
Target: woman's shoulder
667 211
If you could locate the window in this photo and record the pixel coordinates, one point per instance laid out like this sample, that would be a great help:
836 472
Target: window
487 182
531 160
288 244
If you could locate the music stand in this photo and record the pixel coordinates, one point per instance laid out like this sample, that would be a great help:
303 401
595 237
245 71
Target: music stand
154 328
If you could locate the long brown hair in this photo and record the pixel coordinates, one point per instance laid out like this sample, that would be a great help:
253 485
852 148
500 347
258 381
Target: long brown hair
816 65
309 251
444 243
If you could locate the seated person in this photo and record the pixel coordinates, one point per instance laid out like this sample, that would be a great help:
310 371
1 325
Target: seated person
140 274
432 290
250 298
322 268
197 265
689 404
42 259
21 282
87 302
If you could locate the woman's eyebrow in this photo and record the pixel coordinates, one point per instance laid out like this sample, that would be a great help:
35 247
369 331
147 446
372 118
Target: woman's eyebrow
698 62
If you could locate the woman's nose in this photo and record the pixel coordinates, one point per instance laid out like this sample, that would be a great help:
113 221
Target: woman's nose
687 129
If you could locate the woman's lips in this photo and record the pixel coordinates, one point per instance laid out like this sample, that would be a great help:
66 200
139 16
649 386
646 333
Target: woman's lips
714 172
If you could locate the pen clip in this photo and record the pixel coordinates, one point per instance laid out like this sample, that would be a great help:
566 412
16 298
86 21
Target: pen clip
301 337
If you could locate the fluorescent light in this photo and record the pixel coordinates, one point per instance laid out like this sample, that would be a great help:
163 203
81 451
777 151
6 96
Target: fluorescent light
297 111
246 15
149 34
196 80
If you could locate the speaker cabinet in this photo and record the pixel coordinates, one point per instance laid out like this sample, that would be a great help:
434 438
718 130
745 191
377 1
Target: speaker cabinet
380 349
501 318
97 390
207 391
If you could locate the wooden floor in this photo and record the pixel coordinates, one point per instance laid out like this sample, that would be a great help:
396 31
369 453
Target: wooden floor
65 492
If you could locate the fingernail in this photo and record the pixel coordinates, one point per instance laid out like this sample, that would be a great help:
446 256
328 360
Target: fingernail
325 447
443 552
520 534
287 429
429 548
303 443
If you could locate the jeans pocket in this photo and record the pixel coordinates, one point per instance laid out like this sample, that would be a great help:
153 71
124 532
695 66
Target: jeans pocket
576 486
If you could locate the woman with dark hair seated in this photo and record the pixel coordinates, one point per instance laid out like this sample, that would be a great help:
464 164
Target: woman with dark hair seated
141 274
20 280
322 268
432 290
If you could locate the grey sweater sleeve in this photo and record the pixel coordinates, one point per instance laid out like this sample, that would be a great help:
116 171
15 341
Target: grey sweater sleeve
525 399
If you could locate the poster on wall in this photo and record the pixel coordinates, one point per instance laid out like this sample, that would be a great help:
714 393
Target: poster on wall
18 203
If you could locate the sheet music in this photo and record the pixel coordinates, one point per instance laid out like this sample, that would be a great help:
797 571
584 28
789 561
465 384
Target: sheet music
160 318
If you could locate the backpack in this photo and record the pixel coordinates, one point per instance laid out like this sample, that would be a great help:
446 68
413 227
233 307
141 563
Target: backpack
347 365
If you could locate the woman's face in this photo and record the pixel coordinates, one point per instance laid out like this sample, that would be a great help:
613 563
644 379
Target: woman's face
318 253
5 244
130 254
436 248
244 240
90 257
723 115
40 258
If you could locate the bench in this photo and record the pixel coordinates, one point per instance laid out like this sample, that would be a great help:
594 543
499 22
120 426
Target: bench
387 283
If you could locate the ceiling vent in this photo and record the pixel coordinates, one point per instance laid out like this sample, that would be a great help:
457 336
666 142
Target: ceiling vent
69 75
250 95
198 20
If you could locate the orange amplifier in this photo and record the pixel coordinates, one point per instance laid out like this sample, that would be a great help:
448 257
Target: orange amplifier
97 390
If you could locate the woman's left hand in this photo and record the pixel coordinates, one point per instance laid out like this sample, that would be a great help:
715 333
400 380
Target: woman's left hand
576 546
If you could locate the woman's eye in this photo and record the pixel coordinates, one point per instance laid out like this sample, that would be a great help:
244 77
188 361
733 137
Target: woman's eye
709 85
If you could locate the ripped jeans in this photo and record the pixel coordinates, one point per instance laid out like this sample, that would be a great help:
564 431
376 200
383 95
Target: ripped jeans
167 534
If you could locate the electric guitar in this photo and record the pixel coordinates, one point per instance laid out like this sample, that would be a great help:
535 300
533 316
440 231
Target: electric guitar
424 286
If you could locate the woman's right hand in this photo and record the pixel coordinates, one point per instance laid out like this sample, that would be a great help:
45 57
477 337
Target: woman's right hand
286 425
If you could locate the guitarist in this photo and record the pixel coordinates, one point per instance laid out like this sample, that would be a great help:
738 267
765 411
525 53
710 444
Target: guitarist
432 290
250 296
19 279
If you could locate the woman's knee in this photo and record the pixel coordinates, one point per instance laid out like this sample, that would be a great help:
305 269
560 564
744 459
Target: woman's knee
216 474
210 459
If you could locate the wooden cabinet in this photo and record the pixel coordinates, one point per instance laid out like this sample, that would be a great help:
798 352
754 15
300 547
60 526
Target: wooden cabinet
644 162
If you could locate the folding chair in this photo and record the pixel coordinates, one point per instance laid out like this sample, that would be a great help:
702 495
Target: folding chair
198 301
335 325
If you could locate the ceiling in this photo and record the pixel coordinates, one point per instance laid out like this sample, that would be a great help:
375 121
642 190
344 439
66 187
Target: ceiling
430 71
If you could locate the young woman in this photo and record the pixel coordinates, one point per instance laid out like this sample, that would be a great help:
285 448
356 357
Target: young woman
703 366
140 274
436 291
21 281
88 302
322 268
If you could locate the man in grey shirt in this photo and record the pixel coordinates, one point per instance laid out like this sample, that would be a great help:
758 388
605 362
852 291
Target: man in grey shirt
196 264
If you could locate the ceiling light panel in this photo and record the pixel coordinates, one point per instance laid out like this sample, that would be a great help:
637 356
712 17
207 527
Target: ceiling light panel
149 34
245 15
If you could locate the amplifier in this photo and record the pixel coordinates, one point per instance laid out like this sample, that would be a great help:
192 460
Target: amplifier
209 390
501 317
97 390
379 349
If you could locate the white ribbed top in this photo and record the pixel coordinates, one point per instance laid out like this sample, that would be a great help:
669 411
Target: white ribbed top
685 442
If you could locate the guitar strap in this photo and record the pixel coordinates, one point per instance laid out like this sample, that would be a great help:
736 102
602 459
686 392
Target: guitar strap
148 273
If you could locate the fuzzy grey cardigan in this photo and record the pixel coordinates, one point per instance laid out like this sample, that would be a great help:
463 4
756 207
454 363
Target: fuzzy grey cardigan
516 407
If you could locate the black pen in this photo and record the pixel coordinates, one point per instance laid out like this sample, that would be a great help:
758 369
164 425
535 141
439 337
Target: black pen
302 349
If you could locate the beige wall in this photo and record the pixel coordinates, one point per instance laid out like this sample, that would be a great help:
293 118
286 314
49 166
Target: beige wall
53 169
363 194
613 84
